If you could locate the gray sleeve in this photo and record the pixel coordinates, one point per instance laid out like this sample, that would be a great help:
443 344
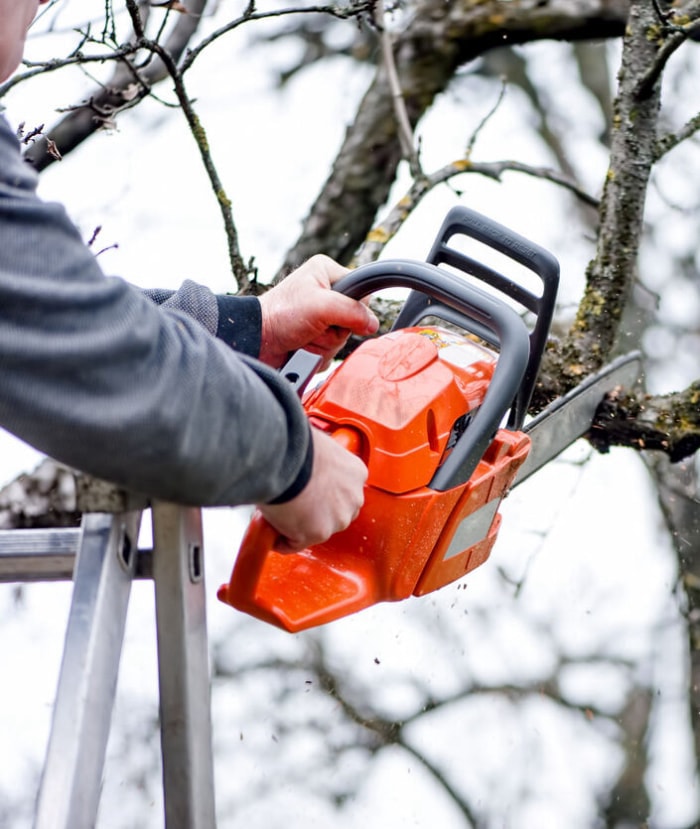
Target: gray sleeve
94 374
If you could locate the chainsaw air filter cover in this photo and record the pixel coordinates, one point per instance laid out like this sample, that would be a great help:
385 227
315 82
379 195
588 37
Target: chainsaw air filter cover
410 395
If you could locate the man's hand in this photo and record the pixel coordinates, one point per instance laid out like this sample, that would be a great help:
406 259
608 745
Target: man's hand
329 503
302 312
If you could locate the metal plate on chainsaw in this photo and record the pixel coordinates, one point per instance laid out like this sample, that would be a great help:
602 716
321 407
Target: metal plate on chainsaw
474 527
571 416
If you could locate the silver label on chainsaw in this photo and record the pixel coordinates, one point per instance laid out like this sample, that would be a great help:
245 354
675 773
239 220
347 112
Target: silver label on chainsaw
473 529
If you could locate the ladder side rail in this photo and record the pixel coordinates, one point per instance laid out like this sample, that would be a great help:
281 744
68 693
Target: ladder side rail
183 667
71 782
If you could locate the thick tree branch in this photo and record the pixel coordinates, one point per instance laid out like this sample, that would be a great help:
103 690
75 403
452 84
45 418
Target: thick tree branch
665 423
668 424
610 275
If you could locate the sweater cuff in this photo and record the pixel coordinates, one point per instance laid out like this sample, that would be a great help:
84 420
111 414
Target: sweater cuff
302 478
240 323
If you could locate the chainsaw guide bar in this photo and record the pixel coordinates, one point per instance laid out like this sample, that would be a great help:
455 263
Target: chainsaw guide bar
569 417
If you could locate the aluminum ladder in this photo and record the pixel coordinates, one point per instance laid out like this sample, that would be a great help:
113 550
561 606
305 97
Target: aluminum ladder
102 558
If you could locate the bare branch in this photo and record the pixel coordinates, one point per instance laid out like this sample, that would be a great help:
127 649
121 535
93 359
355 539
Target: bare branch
136 21
671 141
381 234
356 8
77 59
484 121
128 85
242 272
406 137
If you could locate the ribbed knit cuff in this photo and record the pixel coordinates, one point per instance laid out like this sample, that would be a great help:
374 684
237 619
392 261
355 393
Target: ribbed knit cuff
240 323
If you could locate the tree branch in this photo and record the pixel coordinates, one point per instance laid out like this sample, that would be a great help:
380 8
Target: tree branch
244 274
665 423
609 277
440 38
381 234
406 137
357 8
671 37
672 140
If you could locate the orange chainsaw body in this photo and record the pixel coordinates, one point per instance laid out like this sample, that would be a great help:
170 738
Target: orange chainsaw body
400 402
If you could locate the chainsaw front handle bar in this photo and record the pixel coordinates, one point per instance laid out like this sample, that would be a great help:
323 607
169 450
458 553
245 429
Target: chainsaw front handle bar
463 221
471 305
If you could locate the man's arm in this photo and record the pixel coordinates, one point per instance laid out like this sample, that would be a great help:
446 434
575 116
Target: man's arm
95 375
145 396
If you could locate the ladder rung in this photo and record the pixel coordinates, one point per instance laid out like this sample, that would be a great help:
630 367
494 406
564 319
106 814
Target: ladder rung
48 555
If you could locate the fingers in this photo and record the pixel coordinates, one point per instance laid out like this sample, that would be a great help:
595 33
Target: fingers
352 315
289 545
303 312
349 315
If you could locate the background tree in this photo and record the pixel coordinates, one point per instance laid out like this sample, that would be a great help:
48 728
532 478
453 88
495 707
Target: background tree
459 100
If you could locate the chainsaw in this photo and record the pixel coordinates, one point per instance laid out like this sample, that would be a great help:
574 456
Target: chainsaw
436 409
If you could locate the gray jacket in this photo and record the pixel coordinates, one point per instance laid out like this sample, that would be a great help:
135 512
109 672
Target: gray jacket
158 392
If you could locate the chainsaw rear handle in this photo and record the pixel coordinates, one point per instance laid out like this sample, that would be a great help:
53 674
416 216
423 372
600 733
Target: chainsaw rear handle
261 537
470 304
463 221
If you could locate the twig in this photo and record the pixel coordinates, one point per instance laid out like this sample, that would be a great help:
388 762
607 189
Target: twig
353 10
677 37
38 68
672 140
240 271
109 23
238 268
135 16
405 131
486 119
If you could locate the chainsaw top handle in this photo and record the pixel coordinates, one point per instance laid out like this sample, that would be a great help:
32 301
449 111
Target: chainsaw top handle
463 221
470 305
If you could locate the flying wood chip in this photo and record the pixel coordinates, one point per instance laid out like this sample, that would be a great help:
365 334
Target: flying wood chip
173 5
52 149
